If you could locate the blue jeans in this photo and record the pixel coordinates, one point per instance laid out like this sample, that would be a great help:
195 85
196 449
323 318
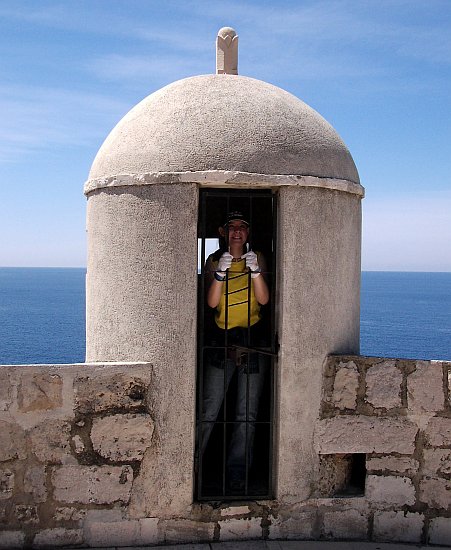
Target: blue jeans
251 369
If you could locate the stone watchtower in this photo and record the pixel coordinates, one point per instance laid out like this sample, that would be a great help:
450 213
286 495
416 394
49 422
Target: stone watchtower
232 132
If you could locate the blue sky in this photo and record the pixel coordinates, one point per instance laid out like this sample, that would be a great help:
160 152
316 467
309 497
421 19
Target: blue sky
378 70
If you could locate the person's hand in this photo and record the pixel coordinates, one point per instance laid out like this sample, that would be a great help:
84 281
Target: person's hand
225 261
252 263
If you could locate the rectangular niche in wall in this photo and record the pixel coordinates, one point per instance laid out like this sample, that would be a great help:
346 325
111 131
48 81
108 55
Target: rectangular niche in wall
342 475
235 363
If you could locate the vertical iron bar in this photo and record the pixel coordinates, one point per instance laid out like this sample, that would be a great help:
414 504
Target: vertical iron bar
248 341
200 351
226 353
273 360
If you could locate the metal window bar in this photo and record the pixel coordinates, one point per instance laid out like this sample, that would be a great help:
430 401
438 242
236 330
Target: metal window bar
203 493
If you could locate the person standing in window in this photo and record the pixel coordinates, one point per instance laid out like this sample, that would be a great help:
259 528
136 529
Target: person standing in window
236 289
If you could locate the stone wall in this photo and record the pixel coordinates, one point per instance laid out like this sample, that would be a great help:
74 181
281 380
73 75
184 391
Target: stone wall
396 414
74 441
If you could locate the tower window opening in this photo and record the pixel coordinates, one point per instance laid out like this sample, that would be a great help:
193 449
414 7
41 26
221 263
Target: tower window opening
236 344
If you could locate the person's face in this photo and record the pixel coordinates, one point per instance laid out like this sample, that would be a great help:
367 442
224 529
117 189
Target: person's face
238 232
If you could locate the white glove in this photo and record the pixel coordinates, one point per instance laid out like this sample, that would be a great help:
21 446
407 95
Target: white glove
225 261
252 263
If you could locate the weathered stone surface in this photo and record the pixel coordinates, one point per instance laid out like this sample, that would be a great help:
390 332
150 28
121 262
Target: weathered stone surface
390 490
362 434
240 529
398 526
334 474
148 531
425 388
383 385
5 395
34 483
400 465
50 441
438 432
65 513
119 533
99 392
79 446
436 493
184 530
40 392
12 439
12 539
346 383
122 437
58 537
291 528
92 484
440 531
26 513
437 462
346 524
6 483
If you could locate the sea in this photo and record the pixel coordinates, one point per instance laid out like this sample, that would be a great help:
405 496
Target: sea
42 315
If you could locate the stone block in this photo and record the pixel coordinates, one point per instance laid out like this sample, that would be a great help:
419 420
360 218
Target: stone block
6 483
148 531
346 384
120 533
299 527
383 385
440 531
65 513
122 437
399 465
12 539
13 442
437 462
50 441
100 391
438 432
34 483
436 493
363 434
184 530
425 388
92 484
398 526
390 490
25 513
240 529
40 392
57 538
346 524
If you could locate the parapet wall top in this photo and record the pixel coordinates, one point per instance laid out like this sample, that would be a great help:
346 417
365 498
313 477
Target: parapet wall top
227 51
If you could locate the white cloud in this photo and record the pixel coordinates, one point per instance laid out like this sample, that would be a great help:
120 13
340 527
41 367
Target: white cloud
36 118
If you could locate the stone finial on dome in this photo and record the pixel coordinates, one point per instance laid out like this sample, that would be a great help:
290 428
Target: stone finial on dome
227 51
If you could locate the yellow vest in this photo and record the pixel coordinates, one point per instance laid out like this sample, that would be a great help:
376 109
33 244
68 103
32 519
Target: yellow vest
238 297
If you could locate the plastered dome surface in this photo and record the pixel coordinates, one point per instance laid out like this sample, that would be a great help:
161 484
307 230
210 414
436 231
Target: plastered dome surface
224 123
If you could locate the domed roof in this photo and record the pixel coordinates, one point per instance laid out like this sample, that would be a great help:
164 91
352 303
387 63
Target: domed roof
227 123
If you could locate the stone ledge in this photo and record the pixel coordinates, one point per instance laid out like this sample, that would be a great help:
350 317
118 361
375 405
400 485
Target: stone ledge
223 178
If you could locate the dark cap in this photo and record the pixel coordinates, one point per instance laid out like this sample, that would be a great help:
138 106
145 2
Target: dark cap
235 215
